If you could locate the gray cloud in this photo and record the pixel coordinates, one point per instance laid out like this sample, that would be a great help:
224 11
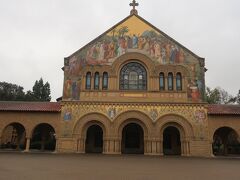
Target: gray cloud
35 36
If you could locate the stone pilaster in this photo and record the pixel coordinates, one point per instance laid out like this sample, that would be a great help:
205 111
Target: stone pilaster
152 147
111 146
27 144
81 145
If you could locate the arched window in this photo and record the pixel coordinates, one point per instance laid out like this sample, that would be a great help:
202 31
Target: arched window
96 81
170 81
133 76
88 80
161 81
105 81
179 82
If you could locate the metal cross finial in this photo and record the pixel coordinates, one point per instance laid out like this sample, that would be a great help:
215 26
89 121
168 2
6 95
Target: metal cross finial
134 4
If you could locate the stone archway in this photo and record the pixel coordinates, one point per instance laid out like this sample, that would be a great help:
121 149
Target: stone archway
225 141
181 131
171 141
82 126
43 138
132 117
14 137
132 139
94 139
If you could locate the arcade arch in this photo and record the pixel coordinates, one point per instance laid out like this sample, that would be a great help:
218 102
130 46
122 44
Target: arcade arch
175 134
43 137
90 131
13 136
225 141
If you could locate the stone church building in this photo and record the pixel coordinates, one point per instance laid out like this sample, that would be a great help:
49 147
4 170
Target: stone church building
132 90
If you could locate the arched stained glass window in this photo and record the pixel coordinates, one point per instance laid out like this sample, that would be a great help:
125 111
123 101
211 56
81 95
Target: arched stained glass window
105 81
96 81
179 82
88 80
170 81
133 76
161 81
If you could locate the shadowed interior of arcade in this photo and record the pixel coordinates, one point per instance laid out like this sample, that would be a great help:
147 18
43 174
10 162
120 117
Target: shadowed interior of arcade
94 139
13 137
43 138
225 142
132 139
171 141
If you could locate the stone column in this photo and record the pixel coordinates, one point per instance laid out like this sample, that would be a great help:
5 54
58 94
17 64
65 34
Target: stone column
145 146
185 148
152 147
166 82
83 84
56 145
155 147
111 146
184 86
118 146
158 142
161 147
211 149
27 144
92 81
100 81
81 145
119 150
174 83
188 148
106 147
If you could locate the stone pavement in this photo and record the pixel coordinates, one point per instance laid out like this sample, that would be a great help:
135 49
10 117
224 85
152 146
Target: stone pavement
50 166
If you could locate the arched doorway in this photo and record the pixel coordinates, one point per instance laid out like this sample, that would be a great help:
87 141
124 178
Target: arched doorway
171 141
225 141
94 140
132 139
13 137
43 138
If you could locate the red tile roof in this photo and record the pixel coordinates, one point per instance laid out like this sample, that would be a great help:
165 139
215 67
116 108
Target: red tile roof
30 106
213 109
219 109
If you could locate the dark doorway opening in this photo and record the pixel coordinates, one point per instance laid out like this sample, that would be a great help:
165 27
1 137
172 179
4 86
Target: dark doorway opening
132 139
171 141
94 140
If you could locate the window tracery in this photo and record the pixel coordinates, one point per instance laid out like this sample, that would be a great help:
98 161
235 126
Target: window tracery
133 76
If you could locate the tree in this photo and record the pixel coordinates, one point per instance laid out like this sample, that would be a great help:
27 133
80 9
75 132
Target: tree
11 92
212 96
238 97
219 96
41 91
225 97
29 96
122 31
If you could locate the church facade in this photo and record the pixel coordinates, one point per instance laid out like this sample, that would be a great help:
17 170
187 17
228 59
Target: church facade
134 90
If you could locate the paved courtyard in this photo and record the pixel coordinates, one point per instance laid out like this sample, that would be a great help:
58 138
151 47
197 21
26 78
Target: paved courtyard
33 166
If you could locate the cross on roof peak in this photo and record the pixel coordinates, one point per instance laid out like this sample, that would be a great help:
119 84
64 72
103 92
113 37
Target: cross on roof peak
134 4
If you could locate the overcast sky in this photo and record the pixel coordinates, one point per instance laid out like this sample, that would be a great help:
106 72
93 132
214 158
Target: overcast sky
35 35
